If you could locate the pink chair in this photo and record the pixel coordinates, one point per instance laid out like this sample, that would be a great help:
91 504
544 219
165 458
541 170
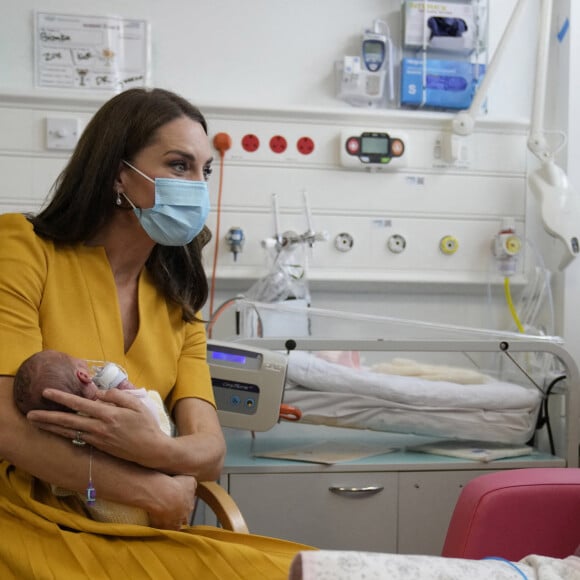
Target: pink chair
511 514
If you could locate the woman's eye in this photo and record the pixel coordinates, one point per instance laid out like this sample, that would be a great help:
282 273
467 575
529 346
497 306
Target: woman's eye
207 171
179 166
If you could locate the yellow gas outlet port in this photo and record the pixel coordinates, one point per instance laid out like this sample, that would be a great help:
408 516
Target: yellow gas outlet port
449 245
513 245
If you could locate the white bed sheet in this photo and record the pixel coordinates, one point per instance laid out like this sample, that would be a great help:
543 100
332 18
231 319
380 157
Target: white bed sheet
333 394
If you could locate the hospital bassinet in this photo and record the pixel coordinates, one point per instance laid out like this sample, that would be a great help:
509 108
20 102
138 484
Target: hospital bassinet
404 376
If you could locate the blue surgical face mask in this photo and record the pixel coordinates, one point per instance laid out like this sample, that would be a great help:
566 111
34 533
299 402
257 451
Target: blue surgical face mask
179 213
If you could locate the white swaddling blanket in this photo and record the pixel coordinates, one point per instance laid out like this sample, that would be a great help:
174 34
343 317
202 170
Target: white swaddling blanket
329 393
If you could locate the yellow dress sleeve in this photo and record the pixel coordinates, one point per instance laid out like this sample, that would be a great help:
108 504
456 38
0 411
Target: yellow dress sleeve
193 378
23 264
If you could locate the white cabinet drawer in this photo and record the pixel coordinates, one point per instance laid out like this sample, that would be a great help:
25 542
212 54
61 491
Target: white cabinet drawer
349 511
426 502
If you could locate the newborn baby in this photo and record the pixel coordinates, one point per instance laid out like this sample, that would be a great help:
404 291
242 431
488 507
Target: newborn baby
57 370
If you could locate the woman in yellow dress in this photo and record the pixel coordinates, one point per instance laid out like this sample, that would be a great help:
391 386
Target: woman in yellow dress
111 270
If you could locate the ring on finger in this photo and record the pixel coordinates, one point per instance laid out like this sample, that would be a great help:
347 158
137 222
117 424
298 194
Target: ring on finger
78 440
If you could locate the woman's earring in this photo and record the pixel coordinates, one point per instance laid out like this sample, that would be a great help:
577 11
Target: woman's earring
119 201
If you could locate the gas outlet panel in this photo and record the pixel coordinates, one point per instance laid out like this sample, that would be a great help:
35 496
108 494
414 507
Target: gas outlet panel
409 249
374 184
424 199
384 145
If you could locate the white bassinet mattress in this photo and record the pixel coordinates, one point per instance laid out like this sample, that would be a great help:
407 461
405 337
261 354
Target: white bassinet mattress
332 394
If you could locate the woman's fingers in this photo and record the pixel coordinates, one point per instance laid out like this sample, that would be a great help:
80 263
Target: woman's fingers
68 427
68 432
120 398
84 406
91 418
117 423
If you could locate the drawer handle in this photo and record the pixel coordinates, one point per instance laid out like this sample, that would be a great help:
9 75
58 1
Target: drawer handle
368 490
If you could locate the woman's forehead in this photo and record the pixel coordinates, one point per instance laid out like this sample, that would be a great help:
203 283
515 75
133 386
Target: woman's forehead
182 134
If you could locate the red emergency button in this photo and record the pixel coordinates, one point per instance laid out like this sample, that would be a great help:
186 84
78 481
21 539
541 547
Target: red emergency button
397 147
353 145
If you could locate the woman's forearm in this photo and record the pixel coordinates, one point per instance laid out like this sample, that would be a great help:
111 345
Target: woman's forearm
200 455
199 449
57 461
131 442
124 428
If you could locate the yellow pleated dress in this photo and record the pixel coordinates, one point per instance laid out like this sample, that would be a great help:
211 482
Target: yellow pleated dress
65 299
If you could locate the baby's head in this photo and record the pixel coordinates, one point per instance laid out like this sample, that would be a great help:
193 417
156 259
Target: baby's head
55 370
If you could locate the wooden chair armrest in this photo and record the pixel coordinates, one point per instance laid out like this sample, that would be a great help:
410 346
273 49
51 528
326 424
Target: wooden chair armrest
224 507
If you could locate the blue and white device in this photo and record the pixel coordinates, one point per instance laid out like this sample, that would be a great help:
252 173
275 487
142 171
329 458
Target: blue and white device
374 51
248 384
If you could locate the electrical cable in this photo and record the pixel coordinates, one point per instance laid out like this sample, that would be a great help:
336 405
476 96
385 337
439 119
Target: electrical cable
512 308
527 307
523 370
546 413
225 306
536 307
222 142
506 561
218 312
544 295
259 324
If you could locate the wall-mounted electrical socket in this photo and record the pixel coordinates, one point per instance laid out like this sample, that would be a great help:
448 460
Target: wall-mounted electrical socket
305 145
62 133
250 142
278 144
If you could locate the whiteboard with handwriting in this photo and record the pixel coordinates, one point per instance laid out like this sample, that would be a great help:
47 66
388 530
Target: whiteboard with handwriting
91 52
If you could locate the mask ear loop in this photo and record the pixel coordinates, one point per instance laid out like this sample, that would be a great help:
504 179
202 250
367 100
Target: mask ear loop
130 202
138 171
142 175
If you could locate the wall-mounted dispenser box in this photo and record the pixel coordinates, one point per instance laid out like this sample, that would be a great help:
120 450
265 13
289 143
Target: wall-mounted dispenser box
448 26
445 84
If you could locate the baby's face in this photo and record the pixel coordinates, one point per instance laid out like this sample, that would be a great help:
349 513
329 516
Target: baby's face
89 391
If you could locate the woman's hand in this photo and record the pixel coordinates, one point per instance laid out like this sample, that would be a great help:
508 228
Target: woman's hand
124 428
127 430
174 511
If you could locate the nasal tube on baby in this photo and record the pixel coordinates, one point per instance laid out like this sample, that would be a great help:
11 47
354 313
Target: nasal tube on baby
109 376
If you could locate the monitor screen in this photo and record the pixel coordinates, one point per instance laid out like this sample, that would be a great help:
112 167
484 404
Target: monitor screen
376 145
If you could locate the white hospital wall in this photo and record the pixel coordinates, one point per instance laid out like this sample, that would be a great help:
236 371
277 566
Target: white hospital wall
275 55
270 53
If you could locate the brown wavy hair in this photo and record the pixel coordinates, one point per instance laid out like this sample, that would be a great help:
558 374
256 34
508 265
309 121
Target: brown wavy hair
47 369
82 199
